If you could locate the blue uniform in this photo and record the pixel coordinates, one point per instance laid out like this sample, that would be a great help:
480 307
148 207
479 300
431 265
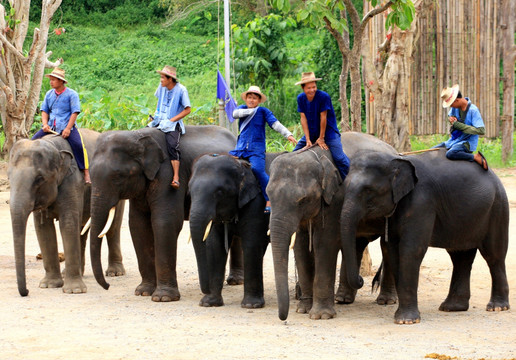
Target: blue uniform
312 110
170 103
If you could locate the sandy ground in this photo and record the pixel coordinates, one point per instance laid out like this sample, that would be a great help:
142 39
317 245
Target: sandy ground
115 324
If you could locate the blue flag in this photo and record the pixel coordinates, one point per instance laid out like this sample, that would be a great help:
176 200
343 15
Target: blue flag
224 94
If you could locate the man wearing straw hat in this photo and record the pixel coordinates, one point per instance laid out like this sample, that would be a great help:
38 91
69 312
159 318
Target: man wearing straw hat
251 140
319 122
173 105
466 125
58 114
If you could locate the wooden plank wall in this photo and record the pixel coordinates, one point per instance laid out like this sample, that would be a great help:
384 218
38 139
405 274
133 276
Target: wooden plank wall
457 45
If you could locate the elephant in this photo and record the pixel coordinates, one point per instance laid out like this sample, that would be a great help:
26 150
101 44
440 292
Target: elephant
225 191
306 194
135 165
426 200
46 181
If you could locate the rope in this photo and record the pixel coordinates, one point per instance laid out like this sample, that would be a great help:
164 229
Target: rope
418 151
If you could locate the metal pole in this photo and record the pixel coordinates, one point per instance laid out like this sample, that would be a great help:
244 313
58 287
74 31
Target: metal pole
227 73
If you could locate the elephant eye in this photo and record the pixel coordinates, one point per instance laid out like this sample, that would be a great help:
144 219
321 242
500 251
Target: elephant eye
39 180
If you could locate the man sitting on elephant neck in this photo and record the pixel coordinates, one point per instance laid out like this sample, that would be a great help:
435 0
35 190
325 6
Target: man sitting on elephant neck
319 122
466 124
251 140
173 105
58 115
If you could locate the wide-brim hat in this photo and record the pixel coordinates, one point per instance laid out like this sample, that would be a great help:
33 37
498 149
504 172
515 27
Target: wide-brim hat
254 90
307 77
448 95
168 71
58 74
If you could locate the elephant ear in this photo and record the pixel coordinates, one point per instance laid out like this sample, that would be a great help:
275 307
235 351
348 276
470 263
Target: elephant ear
151 156
404 178
249 188
65 163
330 179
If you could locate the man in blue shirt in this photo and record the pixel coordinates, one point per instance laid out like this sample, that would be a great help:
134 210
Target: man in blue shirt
319 122
58 114
173 106
466 125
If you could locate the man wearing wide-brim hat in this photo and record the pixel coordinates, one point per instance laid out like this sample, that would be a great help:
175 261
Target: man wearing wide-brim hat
466 125
173 105
319 121
59 112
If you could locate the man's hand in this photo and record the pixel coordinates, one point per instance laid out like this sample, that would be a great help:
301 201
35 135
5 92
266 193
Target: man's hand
322 143
308 143
452 119
46 128
292 140
65 133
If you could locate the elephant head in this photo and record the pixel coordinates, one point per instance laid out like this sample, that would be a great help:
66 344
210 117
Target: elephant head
36 170
123 165
374 186
219 187
299 184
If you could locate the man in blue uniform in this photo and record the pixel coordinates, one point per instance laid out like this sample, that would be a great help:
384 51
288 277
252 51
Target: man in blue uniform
319 122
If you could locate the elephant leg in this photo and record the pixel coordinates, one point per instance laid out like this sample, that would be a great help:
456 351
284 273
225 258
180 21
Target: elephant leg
326 249
115 266
388 295
216 258
306 269
143 241
459 293
345 294
494 254
236 263
46 234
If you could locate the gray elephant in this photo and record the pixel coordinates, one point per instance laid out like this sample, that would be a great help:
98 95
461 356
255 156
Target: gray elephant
307 194
225 193
428 200
134 165
46 181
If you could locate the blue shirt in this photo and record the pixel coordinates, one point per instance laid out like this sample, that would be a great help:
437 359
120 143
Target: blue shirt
170 103
313 109
473 118
251 140
60 107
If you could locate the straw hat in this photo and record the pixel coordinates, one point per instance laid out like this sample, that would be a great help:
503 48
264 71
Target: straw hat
254 90
307 77
448 95
168 71
57 73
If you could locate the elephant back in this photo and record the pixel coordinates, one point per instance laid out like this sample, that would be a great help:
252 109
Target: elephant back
352 142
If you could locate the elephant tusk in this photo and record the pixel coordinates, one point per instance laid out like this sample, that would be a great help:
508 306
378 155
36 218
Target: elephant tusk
86 227
189 238
292 241
207 232
109 222
269 232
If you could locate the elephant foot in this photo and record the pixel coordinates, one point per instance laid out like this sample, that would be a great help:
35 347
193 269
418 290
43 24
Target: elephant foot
322 312
498 305
345 295
304 305
407 317
165 294
74 286
115 269
144 289
211 301
235 277
252 302
51 281
387 298
454 304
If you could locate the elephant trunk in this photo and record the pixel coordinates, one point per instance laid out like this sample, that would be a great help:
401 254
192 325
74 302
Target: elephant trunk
281 232
19 216
200 217
99 216
350 216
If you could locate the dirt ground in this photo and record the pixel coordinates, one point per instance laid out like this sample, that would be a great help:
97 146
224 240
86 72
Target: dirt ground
115 324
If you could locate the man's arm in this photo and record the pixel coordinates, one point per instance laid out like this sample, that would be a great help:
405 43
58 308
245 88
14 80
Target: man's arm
69 126
44 120
320 140
468 129
182 114
306 131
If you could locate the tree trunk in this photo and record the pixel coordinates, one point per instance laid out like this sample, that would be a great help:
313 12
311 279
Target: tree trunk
509 57
356 91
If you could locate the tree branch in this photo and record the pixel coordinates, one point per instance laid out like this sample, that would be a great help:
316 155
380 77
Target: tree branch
353 14
337 36
11 48
373 13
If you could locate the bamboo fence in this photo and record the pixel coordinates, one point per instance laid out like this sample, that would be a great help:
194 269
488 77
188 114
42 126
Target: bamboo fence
457 45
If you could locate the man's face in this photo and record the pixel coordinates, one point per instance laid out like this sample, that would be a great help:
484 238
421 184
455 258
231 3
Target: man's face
166 81
56 83
252 100
310 89
455 103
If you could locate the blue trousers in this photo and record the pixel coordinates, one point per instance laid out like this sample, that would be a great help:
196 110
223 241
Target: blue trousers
75 141
457 152
258 167
340 159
